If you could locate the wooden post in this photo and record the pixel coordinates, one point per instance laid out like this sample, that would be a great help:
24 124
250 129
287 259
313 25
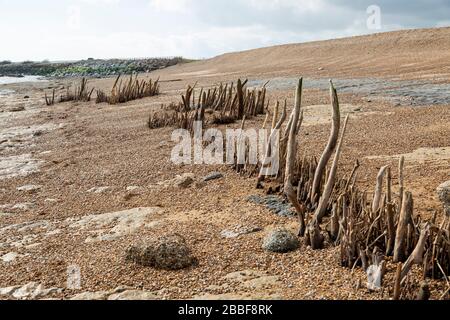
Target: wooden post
290 159
416 256
240 95
331 145
313 228
401 180
397 283
378 190
402 228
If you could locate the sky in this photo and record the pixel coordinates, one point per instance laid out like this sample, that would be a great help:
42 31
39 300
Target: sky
80 29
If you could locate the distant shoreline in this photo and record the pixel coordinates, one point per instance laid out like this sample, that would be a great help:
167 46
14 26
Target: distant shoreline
96 68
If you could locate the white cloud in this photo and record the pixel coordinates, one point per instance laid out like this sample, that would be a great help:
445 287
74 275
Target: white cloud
298 5
193 28
445 23
170 5
97 2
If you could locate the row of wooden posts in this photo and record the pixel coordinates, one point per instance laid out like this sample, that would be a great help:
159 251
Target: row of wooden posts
333 210
121 92
223 104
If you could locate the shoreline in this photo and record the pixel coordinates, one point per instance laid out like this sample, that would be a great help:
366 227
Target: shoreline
95 68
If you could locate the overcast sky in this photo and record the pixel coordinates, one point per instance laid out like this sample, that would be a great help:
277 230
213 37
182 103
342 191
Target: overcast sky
78 29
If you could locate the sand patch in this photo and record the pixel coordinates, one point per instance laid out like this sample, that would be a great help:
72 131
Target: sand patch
420 156
321 114
204 73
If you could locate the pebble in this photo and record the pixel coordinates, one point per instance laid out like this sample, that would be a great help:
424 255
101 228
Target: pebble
30 188
213 176
99 190
9 257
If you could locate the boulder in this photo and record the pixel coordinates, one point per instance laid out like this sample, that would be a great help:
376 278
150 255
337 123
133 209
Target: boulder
168 252
280 241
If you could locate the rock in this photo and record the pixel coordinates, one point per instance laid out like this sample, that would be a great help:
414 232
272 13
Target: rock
5 214
33 290
134 189
244 275
8 290
237 296
310 295
26 97
134 295
86 296
213 176
184 181
113 225
168 252
23 206
221 297
264 282
51 200
281 241
30 188
132 192
99 190
239 231
444 195
16 109
274 203
9 257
